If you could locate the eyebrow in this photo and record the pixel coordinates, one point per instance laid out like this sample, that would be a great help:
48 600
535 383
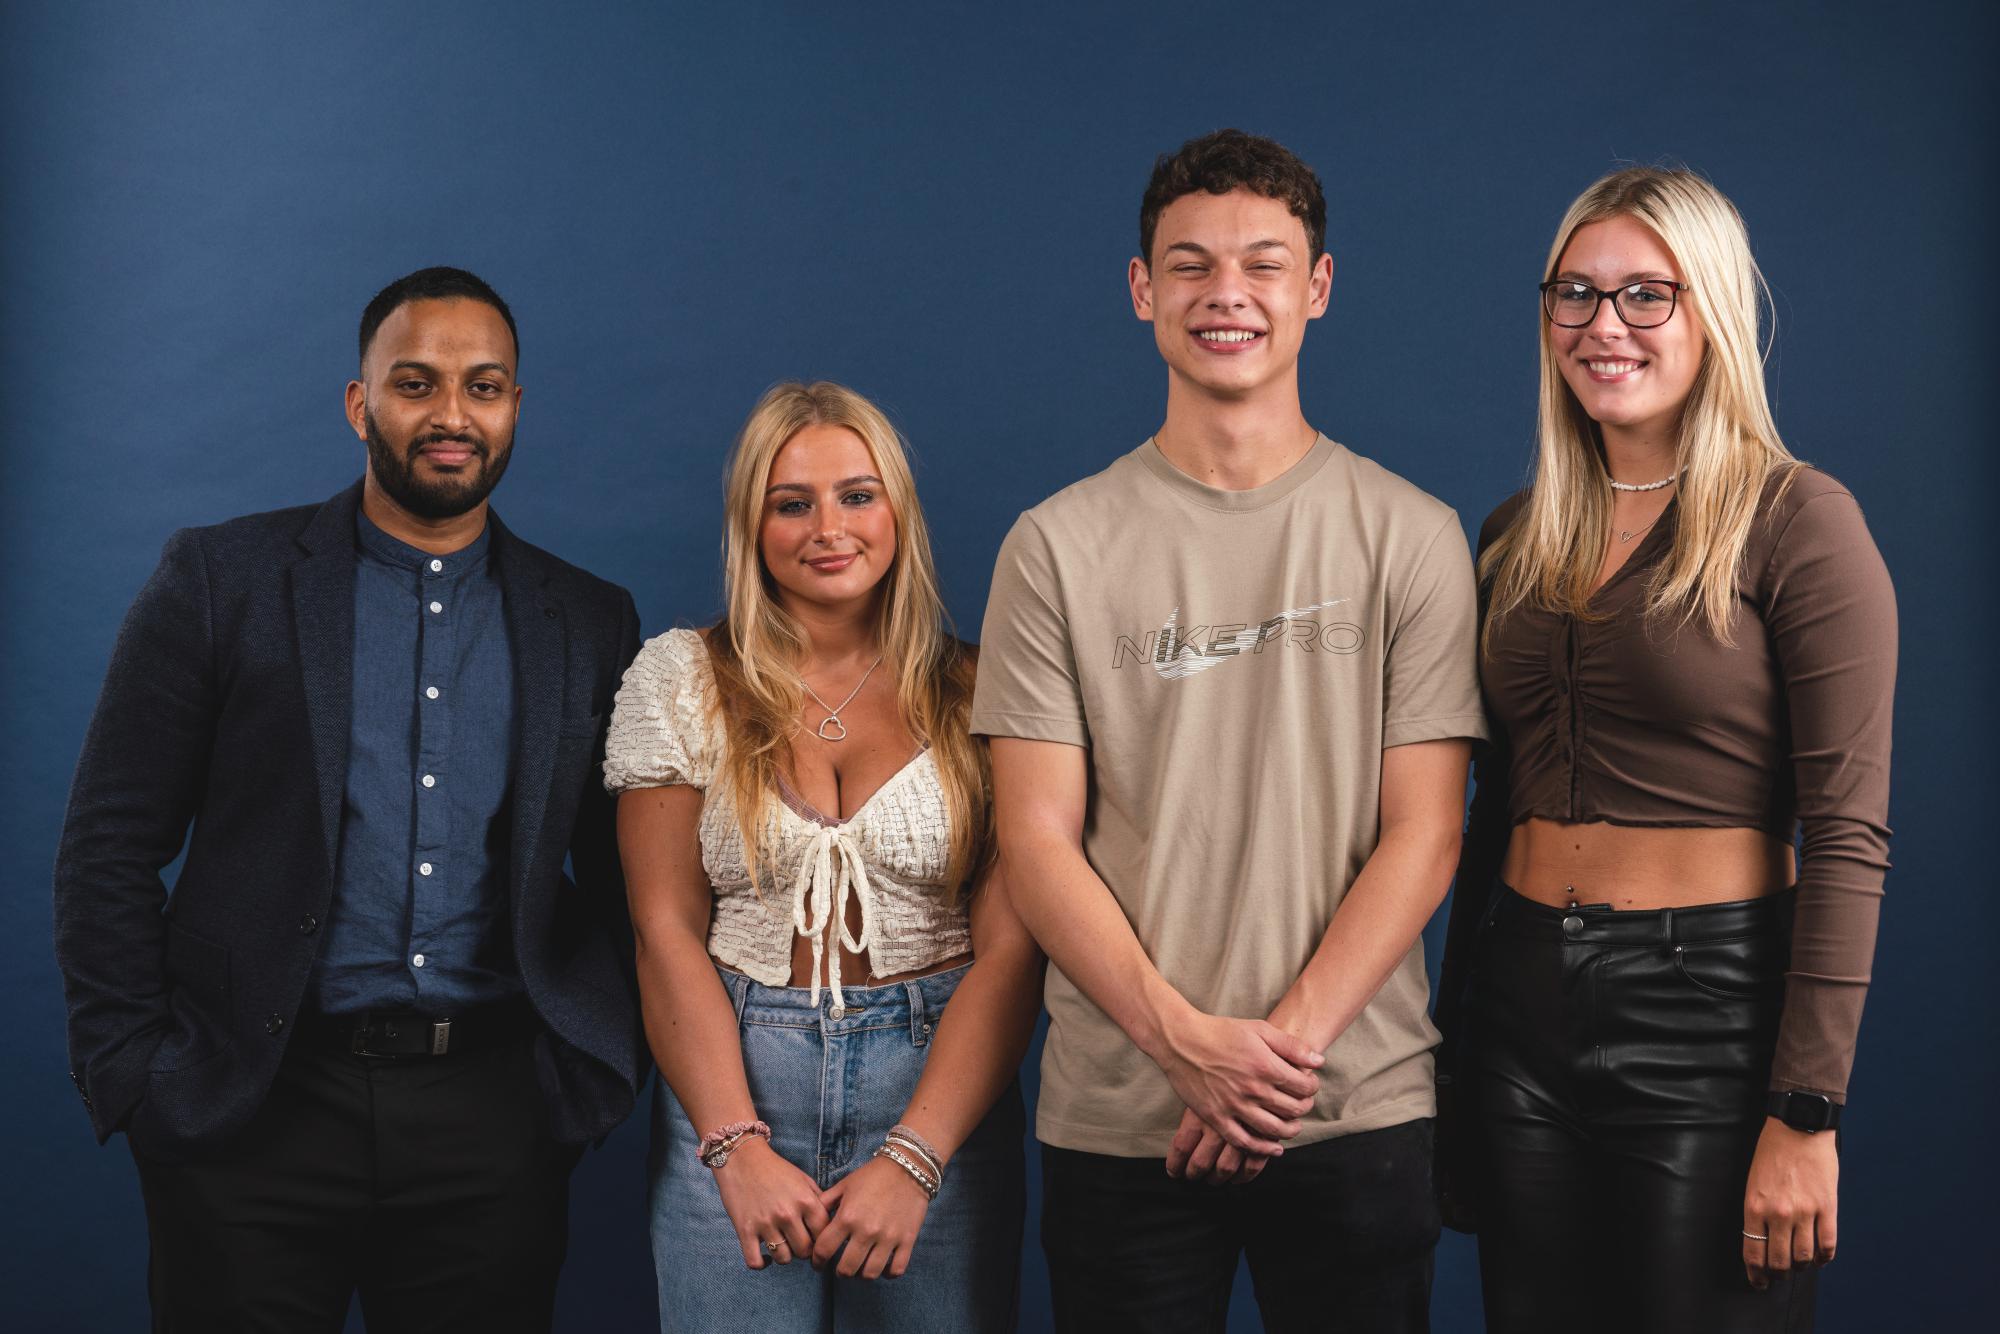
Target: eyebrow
803 489
1268 243
1644 276
483 368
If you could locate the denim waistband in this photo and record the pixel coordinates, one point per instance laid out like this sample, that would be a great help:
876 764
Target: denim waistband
915 1004
1601 924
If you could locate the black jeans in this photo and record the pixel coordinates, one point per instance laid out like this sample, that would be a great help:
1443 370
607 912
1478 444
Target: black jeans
1339 1236
1619 1063
430 1184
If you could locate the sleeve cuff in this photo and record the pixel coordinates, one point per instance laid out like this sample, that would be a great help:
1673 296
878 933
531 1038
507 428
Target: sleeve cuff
1031 727
1469 726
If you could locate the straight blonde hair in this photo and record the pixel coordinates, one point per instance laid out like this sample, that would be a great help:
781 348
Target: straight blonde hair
758 647
1728 448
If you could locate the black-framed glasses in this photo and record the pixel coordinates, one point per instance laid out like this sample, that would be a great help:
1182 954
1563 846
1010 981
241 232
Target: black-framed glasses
1572 305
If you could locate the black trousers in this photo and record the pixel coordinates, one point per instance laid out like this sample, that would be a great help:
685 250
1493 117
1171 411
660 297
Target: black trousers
429 1184
1620 1062
1339 1236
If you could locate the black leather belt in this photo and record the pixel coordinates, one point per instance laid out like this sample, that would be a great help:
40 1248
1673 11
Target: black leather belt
411 1033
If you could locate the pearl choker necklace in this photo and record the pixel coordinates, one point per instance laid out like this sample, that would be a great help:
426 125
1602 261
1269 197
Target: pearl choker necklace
1644 486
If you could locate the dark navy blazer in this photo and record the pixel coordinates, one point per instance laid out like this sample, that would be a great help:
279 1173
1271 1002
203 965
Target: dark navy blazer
227 706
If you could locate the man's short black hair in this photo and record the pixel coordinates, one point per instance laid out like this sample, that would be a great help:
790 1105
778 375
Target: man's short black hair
438 283
1229 160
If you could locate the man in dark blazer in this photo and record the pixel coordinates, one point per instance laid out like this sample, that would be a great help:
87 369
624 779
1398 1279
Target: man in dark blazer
360 1044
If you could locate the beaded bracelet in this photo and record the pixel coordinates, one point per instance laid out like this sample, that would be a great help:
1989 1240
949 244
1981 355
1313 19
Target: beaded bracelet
918 1142
926 1157
717 1145
917 1174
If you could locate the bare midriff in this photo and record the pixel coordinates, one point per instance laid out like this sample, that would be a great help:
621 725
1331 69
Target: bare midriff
1640 869
853 968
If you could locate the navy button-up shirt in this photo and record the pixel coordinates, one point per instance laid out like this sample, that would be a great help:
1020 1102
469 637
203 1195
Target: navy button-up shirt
419 917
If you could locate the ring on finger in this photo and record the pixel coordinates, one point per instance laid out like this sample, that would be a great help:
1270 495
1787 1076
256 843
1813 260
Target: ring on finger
771 1247
1756 1236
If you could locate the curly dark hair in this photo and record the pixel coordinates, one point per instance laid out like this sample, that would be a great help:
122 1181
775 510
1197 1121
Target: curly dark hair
1228 160
438 283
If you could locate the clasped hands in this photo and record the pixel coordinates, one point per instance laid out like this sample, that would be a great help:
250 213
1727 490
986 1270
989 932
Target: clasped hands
868 1219
1247 1085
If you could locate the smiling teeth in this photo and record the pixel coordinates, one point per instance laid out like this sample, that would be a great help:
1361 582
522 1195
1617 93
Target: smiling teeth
1226 335
1612 367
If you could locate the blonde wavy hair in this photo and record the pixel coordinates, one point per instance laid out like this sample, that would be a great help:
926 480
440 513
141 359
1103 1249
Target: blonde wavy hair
758 647
1728 448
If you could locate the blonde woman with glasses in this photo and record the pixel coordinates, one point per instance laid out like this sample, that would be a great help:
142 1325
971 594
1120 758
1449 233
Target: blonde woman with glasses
1688 650
835 986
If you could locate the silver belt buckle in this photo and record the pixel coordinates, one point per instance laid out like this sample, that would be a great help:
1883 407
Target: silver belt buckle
441 1037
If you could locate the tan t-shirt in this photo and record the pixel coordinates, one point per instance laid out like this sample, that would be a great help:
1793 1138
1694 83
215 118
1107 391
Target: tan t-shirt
1236 662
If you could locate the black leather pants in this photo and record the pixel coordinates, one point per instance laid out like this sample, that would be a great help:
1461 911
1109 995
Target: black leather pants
1620 1062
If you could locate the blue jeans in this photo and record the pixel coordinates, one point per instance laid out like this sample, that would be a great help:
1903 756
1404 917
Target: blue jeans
830 1089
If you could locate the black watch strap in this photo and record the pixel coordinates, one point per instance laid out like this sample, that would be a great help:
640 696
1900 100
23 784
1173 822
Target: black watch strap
1810 1112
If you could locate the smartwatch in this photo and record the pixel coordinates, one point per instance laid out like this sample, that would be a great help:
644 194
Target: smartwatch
1810 1112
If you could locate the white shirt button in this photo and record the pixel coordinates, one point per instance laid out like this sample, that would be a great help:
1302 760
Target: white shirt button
430 692
430 780
418 960
423 868
436 565
437 606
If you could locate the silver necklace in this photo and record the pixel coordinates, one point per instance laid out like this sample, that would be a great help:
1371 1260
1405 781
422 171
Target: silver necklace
1643 486
1627 534
833 714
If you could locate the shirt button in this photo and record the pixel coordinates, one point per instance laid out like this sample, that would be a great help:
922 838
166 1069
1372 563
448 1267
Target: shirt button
308 924
1562 685
437 606
436 566
430 780
417 960
274 1024
423 868
430 692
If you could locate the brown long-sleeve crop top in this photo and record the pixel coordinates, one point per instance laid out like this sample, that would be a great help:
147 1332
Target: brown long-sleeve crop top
1636 723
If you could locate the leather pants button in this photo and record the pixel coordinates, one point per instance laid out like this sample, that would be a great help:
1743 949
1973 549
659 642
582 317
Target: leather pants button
1572 927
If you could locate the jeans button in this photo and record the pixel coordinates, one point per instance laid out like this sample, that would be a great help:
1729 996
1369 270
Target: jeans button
837 1012
1572 926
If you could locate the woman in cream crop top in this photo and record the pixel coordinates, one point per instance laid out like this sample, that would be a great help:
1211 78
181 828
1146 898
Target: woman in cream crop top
1688 653
834 985
883 867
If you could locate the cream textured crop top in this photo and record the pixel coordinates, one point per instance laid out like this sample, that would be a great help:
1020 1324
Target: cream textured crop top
889 857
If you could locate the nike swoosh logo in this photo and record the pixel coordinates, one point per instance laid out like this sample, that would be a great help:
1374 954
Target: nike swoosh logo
1183 665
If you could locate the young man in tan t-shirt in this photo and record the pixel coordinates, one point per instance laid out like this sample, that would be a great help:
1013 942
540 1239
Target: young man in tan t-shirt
1231 690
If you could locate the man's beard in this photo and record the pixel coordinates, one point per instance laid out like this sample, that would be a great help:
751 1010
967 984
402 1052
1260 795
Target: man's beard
396 473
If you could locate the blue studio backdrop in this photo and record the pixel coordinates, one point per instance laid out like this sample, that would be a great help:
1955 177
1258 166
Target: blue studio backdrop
935 204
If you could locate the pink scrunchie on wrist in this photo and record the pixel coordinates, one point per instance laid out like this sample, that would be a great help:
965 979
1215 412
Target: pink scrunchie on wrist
717 1145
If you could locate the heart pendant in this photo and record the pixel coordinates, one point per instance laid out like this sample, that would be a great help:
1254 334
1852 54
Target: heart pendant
840 732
